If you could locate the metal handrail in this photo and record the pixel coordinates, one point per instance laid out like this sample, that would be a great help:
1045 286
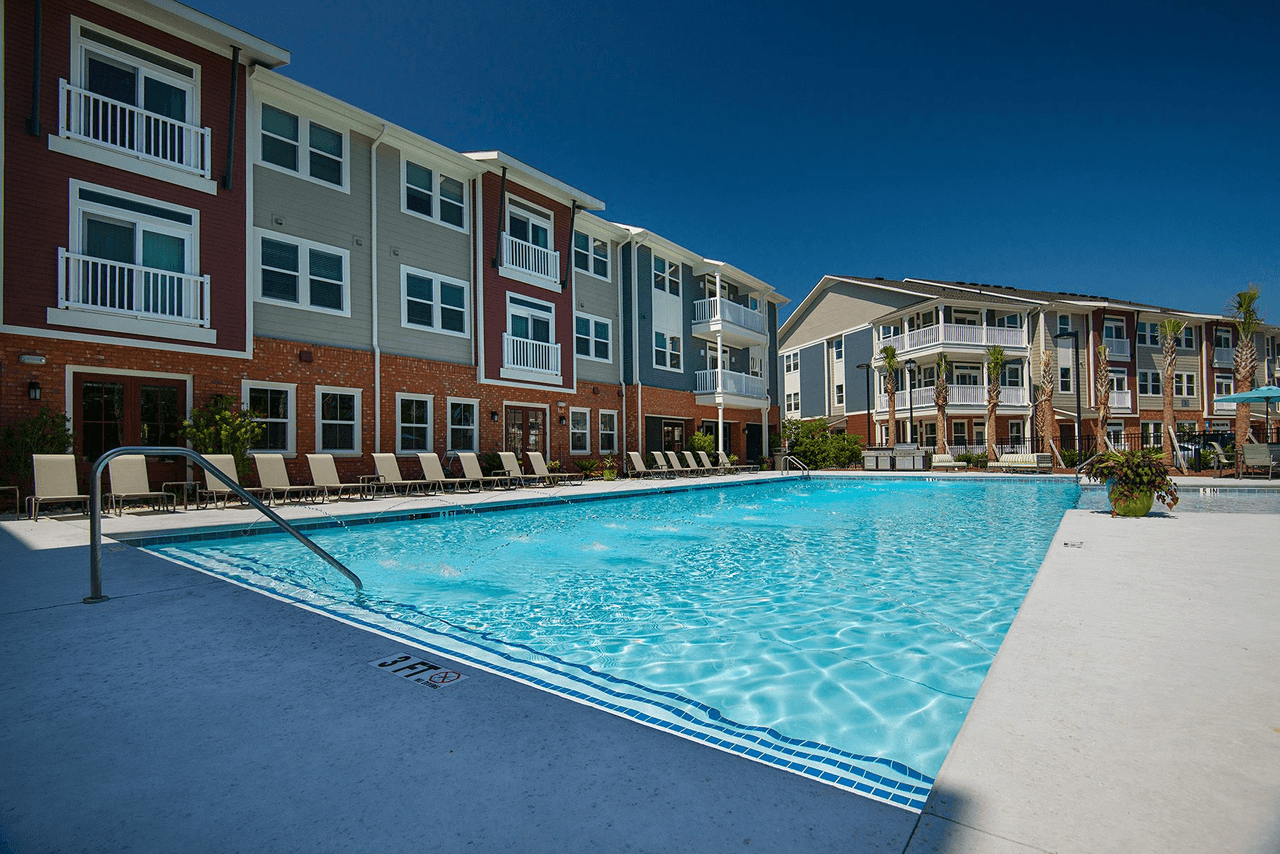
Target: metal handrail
95 514
788 460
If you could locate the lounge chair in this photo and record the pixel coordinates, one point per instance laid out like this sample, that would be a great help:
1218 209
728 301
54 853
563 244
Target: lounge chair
217 492
695 466
325 474
433 471
1257 457
129 482
946 462
727 466
677 466
708 465
274 478
55 483
389 470
660 466
471 471
539 466
638 468
511 468
1221 459
1036 463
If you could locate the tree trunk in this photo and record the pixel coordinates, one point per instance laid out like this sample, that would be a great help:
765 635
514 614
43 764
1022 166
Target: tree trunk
1246 368
941 396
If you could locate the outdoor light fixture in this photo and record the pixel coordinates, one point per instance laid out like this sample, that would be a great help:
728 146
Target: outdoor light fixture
33 390
30 359
910 365
562 419
493 415
1074 335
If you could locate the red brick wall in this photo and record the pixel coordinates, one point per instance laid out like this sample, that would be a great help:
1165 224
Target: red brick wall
654 401
36 179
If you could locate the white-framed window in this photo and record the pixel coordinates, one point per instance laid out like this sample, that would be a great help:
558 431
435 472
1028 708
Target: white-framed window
1115 432
964 375
1015 433
1064 323
1148 333
1112 329
275 405
1149 382
1009 321
666 351
1152 433
531 319
433 195
529 223
837 350
1187 340
591 254
413 422
793 402
431 301
979 432
1011 376
666 275
1184 385
959 433
464 424
296 144
790 363
1223 385
1222 338
1119 379
579 430
608 431
126 229
592 337
839 394
337 420
303 273
1064 380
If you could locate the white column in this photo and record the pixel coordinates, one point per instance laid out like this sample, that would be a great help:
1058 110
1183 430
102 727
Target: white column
719 381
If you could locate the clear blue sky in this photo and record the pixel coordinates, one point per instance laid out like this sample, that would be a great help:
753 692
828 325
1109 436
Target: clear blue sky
1124 149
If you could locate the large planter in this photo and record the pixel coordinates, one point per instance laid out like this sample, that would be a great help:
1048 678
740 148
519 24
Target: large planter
1139 506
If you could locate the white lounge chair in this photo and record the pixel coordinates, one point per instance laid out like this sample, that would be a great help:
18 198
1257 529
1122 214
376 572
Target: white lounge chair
540 470
694 466
511 468
274 478
55 483
129 482
677 466
432 470
638 468
471 471
389 470
218 493
708 465
946 462
325 474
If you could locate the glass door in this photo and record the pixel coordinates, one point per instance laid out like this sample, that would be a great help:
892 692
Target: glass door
115 411
525 430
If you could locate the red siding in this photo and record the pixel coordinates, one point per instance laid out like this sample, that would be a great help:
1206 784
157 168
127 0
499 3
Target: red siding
36 179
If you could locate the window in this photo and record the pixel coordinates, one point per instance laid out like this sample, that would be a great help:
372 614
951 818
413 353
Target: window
579 431
435 196
303 273
1187 341
1113 329
965 375
1064 323
1119 379
337 420
431 301
666 351
1148 334
837 350
608 431
1011 376
528 223
1152 433
979 433
273 404
1184 385
1222 338
1064 380
463 426
530 319
666 276
959 433
591 254
592 337
793 403
413 423
281 142
1149 382
1223 384
839 394
790 363
1009 321
1015 433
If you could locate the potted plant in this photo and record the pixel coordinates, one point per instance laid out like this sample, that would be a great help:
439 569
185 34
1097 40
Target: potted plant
609 467
1134 479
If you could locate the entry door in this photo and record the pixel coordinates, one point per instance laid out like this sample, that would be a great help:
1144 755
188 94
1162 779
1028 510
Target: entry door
755 441
673 436
526 430
113 411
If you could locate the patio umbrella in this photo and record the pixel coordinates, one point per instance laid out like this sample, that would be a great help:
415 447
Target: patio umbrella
1266 395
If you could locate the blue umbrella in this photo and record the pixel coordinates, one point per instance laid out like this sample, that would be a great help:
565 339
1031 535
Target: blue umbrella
1266 395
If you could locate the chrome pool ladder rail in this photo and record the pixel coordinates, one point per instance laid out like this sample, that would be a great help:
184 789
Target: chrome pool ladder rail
788 461
95 513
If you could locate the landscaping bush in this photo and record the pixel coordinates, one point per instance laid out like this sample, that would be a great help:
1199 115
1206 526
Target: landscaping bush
700 442
976 460
818 448
221 427
45 432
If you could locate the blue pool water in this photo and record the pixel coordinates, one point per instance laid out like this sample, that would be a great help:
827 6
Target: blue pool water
840 629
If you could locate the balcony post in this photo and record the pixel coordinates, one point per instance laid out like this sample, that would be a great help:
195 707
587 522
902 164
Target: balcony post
719 381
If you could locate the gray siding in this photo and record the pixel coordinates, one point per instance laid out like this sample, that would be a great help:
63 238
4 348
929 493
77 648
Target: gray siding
595 296
405 239
813 383
628 316
647 373
857 351
771 357
842 306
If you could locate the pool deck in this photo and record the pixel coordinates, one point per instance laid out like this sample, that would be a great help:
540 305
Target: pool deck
1134 706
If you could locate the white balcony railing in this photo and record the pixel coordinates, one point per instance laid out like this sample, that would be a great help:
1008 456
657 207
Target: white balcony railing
727 311
957 395
1117 348
132 130
85 282
530 355
1223 408
957 333
1224 357
541 262
1121 401
730 382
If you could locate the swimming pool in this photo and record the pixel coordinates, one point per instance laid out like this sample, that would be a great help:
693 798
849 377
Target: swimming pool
837 629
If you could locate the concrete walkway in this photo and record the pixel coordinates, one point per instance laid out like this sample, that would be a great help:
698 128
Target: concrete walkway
1133 708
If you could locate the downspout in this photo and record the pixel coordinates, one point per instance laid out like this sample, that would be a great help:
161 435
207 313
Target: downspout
635 342
33 121
622 378
502 209
231 133
719 372
373 271
477 265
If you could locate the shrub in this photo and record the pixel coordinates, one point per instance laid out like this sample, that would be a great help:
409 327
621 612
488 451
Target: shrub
587 466
221 427
975 460
45 432
1070 457
489 463
1131 474
700 442
818 448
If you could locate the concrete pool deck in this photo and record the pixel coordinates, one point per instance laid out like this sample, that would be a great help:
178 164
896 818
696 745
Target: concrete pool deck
1133 707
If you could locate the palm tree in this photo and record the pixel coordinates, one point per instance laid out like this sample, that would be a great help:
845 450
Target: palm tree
941 396
995 366
1044 405
1244 311
1102 385
889 354
1170 331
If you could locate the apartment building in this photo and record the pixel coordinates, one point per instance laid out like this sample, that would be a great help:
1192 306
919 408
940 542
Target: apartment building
832 363
360 287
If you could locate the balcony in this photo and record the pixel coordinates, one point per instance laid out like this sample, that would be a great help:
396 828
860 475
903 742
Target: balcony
1224 357
531 357
1223 408
737 325
132 131
535 264
957 395
956 334
729 387
1117 348
130 290
1121 401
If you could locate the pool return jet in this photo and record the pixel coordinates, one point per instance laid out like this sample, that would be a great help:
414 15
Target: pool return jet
95 514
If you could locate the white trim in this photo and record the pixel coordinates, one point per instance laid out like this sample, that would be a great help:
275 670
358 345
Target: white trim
300 111
591 256
449 427
358 394
431 422
191 85
81 318
593 319
600 431
531 212
303 302
291 443
436 177
58 334
653 351
117 160
70 370
585 431
437 279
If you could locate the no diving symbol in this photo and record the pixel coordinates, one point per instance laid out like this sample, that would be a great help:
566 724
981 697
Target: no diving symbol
444 677
418 670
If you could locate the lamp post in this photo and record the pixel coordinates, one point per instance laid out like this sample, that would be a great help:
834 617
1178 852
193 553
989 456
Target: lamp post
865 367
1074 335
910 365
